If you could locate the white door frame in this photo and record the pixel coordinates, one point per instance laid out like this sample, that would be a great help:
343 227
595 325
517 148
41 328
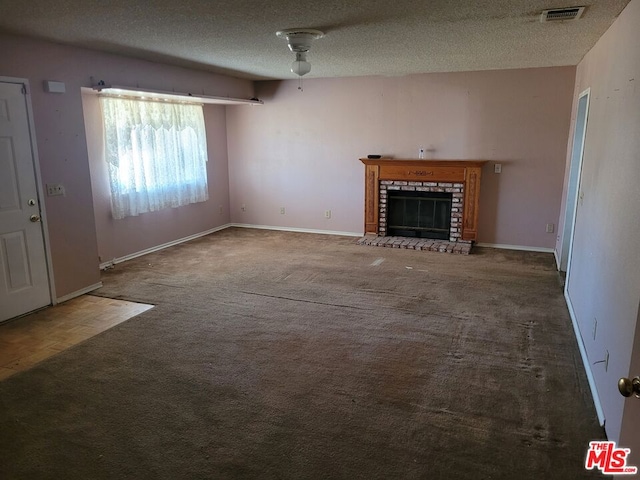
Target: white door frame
571 206
576 329
576 198
36 170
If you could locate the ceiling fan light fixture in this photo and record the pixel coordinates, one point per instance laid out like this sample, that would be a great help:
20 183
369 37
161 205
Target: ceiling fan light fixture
300 66
299 41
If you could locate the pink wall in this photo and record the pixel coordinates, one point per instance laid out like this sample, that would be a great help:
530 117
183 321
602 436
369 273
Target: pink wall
604 276
61 141
300 151
118 238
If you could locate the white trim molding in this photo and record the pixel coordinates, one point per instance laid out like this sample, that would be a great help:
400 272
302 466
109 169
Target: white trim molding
297 230
516 247
585 360
360 234
78 293
114 261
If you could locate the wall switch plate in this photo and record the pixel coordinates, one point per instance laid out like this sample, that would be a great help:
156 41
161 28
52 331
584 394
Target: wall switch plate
497 168
327 214
243 207
281 210
220 209
550 227
55 189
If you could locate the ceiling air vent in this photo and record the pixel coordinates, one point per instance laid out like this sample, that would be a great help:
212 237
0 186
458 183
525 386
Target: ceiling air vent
561 14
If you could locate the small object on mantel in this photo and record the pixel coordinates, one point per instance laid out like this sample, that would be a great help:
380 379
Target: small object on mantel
374 156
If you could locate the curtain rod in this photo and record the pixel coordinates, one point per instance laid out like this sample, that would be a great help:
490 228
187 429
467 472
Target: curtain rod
175 96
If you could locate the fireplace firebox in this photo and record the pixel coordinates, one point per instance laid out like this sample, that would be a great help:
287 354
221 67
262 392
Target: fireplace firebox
419 214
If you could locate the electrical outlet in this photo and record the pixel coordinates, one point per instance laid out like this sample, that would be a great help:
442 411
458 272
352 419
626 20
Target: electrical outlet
327 214
550 227
243 207
497 168
281 210
55 189
220 209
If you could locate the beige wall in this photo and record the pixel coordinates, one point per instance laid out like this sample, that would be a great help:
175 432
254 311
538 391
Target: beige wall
300 151
62 146
604 275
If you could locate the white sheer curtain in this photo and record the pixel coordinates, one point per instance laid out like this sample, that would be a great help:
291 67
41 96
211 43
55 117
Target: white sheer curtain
156 154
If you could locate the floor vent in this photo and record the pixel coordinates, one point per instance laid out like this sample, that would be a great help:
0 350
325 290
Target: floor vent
562 14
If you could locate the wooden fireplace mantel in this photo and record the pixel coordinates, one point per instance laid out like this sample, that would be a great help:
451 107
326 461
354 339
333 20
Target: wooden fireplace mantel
467 172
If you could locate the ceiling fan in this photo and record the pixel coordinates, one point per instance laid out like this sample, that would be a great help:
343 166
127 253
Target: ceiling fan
300 40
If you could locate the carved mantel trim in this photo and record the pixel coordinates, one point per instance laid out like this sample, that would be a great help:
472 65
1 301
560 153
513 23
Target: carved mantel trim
467 172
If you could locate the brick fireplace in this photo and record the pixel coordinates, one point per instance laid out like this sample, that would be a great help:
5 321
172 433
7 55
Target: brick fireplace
460 179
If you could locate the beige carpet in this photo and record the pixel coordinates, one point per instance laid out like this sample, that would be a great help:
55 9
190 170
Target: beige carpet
277 355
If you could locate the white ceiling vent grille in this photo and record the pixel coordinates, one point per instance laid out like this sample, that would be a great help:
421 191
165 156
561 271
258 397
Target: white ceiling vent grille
561 14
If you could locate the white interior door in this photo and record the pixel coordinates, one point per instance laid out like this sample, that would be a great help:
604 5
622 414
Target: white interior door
24 279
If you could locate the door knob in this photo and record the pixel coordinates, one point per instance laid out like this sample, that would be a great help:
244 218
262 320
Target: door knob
34 218
629 387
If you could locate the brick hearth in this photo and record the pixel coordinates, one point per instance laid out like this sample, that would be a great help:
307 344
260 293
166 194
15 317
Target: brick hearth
425 244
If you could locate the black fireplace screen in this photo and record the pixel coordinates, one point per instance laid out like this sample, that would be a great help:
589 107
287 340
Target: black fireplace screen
419 214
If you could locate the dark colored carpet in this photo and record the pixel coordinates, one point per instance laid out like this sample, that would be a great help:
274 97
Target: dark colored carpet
277 355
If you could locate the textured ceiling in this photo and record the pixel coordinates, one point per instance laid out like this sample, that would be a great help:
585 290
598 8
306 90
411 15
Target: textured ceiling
376 37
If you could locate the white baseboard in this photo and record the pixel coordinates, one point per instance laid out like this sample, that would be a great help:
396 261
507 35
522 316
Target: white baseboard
555 255
298 230
77 293
360 234
114 261
131 256
585 360
516 247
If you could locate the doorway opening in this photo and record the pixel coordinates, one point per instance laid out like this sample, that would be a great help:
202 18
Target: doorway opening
573 188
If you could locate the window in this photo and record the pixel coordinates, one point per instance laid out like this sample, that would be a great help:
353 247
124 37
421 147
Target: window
156 153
